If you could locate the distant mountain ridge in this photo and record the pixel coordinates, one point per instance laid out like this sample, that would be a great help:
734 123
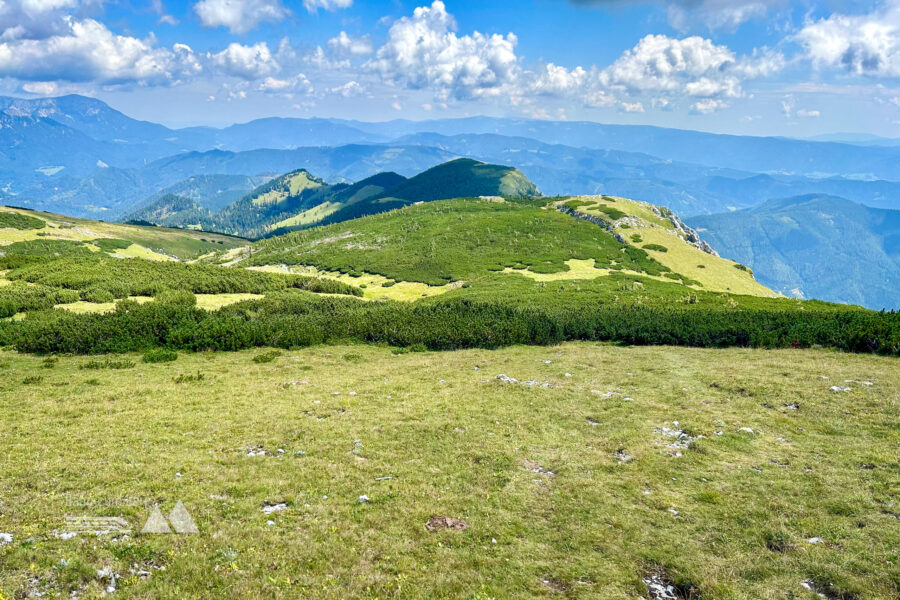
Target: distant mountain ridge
77 155
299 199
814 246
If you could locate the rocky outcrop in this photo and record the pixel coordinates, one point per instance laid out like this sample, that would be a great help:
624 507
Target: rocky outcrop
682 230
591 219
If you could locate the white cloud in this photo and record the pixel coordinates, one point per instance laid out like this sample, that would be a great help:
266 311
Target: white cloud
297 83
632 107
559 80
424 51
344 45
87 51
661 63
811 114
707 106
239 16
314 5
247 62
349 89
41 88
319 59
664 68
861 45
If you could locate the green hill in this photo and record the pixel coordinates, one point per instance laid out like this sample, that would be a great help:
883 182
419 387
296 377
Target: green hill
19 225
299 200
815 247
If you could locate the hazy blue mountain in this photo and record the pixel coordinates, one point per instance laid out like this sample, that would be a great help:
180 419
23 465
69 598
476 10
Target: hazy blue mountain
814 246
212 192
687 188
90 116
747 153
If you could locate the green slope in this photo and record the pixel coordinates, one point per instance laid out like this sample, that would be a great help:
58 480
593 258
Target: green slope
452 240
815 247
299 200
130 240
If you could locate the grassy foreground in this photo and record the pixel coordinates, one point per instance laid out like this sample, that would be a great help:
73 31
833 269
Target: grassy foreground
579 488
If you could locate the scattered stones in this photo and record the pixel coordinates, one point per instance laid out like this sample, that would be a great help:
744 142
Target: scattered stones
812 586
747 430
792 406
65 535
436 523
110 576
534 467
273 507
531 382
838 388
623 456
660 589
6 538
682 440
255 451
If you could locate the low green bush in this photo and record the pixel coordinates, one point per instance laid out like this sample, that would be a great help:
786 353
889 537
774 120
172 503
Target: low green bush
11 220
160 355
266 357
656 247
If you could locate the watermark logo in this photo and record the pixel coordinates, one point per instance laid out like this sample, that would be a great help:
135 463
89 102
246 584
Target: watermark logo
179 521
97 525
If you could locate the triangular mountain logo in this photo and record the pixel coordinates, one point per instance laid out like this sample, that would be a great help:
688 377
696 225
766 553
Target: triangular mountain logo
156 523
179 518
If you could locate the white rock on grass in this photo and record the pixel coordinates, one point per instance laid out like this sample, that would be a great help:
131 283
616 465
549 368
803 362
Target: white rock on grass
5 538
838 388
272 508
363 499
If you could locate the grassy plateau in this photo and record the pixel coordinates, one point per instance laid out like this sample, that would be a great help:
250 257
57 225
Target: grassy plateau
729 473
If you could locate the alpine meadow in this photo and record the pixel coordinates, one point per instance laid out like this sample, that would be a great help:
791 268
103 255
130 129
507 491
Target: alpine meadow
408 300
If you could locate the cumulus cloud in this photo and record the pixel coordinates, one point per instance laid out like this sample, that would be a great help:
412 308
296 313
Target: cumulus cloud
239 16
555 79
344 45
425 51
714 14
299 83
867 45
85 50
41 88
707 106
349 89
247 62
314 5
664 67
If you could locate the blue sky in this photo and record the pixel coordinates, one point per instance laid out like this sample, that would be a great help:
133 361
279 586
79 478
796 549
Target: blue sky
769 67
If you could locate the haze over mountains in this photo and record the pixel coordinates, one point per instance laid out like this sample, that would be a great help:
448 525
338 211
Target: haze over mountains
78 156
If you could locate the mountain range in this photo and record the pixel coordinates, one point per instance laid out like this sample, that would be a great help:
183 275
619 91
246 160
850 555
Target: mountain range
78 156
814 246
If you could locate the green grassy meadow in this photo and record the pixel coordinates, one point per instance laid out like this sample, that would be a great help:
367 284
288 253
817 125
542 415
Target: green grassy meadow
574 481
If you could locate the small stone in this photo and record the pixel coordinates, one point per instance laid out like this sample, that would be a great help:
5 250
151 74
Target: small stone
363 499
837 388
5 538
271 508
815 540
